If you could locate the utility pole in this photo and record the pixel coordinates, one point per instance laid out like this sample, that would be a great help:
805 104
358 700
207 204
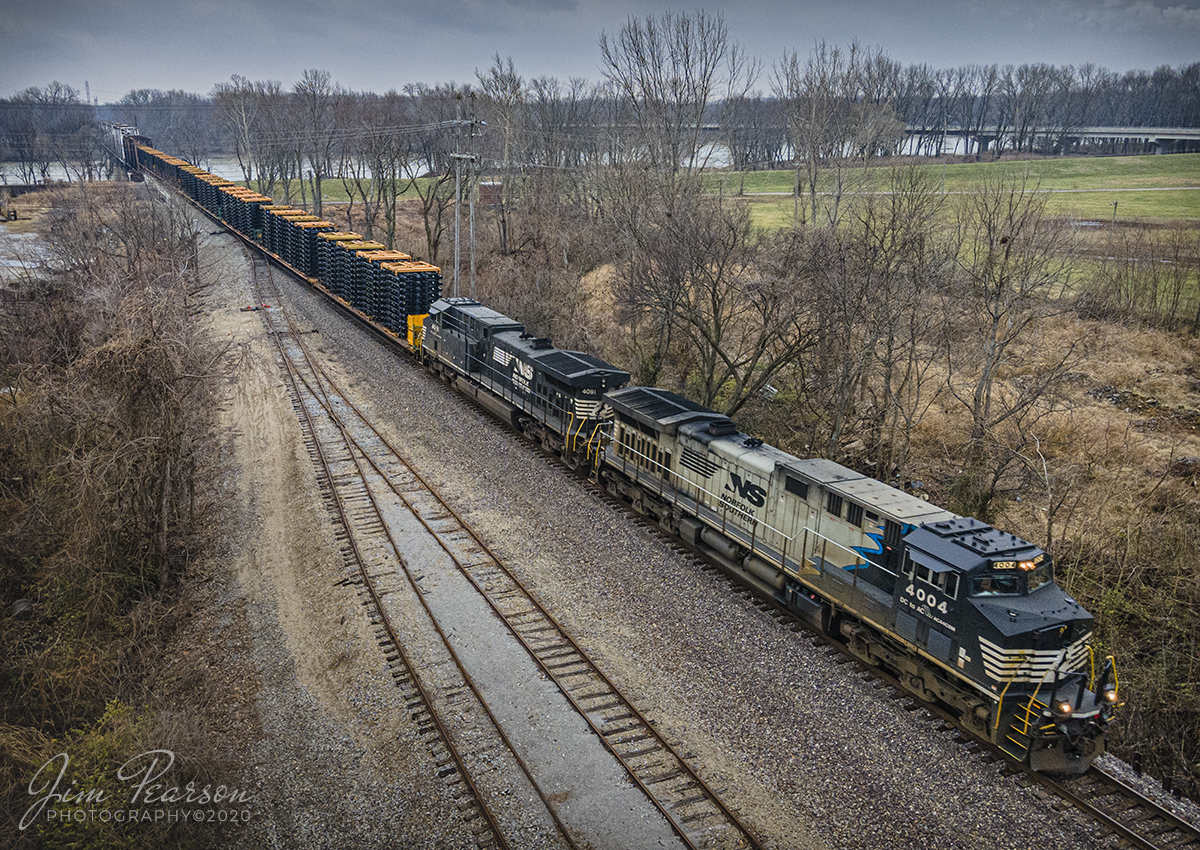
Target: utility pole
472 159
474 179
457 184
459 159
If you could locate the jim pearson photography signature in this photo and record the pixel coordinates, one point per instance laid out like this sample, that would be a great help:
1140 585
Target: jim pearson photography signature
148 799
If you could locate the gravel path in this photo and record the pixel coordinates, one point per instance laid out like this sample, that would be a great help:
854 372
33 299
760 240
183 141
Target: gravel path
812 753
281 658
808 751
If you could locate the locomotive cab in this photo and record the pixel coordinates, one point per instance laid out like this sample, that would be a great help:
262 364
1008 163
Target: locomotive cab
1027 646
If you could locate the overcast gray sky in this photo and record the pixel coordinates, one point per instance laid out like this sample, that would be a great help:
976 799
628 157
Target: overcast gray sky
119 45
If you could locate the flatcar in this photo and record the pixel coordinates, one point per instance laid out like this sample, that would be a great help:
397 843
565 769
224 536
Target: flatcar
960 612
387 289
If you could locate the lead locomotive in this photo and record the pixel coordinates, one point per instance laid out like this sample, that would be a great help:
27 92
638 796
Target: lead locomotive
963 614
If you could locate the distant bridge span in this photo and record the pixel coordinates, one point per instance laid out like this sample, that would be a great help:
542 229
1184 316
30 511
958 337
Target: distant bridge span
1151 139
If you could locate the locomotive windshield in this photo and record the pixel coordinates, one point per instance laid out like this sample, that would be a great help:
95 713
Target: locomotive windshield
996 584
1012 583
1043 575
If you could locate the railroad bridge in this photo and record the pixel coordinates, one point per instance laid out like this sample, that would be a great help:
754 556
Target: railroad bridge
1112 140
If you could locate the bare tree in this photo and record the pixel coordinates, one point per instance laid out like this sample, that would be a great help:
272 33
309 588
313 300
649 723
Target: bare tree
504 98
354 117
839 113
392 156
237 109
1013 262
277 146
1025 92
906 257
666 72
736 307
434 109
663 74
980 110
375 155
49 125
257 117
318 98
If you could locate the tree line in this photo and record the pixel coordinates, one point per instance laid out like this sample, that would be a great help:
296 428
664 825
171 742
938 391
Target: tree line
1033 107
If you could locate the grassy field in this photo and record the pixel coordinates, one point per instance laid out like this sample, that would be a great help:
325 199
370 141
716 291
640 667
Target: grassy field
332 190
1157 189
1154 189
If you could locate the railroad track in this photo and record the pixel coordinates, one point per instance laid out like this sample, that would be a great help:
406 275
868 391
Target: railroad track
1124 811
361 475
1121 811
361 552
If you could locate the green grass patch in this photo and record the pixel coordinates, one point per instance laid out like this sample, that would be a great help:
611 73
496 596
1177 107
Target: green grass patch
1158 189
332 190
1163 205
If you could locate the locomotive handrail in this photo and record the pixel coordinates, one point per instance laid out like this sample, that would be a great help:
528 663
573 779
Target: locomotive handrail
494 376
1062 654
674 479
1112 665
1000 703
595 447
552 412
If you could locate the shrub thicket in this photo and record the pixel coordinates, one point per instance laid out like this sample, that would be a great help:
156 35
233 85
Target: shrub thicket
105 412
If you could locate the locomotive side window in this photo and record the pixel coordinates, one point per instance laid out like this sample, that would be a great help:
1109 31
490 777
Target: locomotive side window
947 582
834 504
796 487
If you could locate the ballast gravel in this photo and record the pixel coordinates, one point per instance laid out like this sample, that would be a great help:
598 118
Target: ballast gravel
803 746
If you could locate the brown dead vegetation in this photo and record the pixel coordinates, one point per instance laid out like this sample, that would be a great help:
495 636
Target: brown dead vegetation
1091 446
103 490
1089 443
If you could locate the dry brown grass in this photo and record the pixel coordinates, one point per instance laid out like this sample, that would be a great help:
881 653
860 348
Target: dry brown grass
107 448
1122 509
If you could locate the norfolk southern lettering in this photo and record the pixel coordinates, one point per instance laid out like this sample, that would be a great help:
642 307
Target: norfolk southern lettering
751 493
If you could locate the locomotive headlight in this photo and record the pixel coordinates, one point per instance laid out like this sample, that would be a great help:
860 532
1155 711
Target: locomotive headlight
1110 696
1062 708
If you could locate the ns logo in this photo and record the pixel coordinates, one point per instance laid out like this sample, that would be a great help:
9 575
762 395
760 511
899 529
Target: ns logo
747 490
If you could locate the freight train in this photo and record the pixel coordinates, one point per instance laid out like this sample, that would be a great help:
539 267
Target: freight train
963 614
